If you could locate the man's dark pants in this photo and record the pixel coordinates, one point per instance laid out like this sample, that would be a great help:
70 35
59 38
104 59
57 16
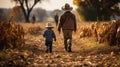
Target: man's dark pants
67 39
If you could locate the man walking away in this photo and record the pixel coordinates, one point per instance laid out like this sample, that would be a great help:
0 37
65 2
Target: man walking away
68 25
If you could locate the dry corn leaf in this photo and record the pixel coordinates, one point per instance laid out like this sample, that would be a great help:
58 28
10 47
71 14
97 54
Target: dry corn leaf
112 53
25 55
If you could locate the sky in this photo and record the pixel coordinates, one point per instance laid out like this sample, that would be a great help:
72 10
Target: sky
48 5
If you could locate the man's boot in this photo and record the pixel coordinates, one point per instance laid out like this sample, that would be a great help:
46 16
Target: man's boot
69 45
66 47
69 48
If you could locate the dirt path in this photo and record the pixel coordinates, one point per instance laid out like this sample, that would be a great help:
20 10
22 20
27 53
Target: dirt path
86 52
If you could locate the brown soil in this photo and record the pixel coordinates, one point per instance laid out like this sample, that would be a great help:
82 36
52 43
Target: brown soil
85 52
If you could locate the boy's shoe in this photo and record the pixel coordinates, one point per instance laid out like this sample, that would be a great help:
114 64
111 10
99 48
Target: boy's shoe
46 51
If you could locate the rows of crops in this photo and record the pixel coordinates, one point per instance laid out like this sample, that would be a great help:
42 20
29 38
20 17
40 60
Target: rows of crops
103 32
11 35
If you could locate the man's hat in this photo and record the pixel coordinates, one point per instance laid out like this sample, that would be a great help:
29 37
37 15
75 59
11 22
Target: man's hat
67 7
49 25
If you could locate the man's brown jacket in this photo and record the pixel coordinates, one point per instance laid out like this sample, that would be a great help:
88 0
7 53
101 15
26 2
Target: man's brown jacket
67 21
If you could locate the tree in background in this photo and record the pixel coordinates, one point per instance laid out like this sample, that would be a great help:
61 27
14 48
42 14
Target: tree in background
1 15
4 14
40 14
59 12
27 6
92 10
17 14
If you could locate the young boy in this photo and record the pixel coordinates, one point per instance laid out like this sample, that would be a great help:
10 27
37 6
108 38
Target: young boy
49 35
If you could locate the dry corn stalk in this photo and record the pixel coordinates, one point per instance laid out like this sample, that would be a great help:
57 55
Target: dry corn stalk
108 32
11 35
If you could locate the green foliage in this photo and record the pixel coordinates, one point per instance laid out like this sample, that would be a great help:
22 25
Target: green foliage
93 10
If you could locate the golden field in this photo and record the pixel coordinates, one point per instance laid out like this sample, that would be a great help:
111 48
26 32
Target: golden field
86 51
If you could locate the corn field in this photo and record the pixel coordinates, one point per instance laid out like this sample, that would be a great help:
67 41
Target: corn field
103 32
11 35
86 52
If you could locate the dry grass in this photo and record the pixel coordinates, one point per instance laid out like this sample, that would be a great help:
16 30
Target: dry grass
79 44
86 52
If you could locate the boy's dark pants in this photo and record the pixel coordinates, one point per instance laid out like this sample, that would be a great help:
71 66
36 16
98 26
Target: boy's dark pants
48 46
